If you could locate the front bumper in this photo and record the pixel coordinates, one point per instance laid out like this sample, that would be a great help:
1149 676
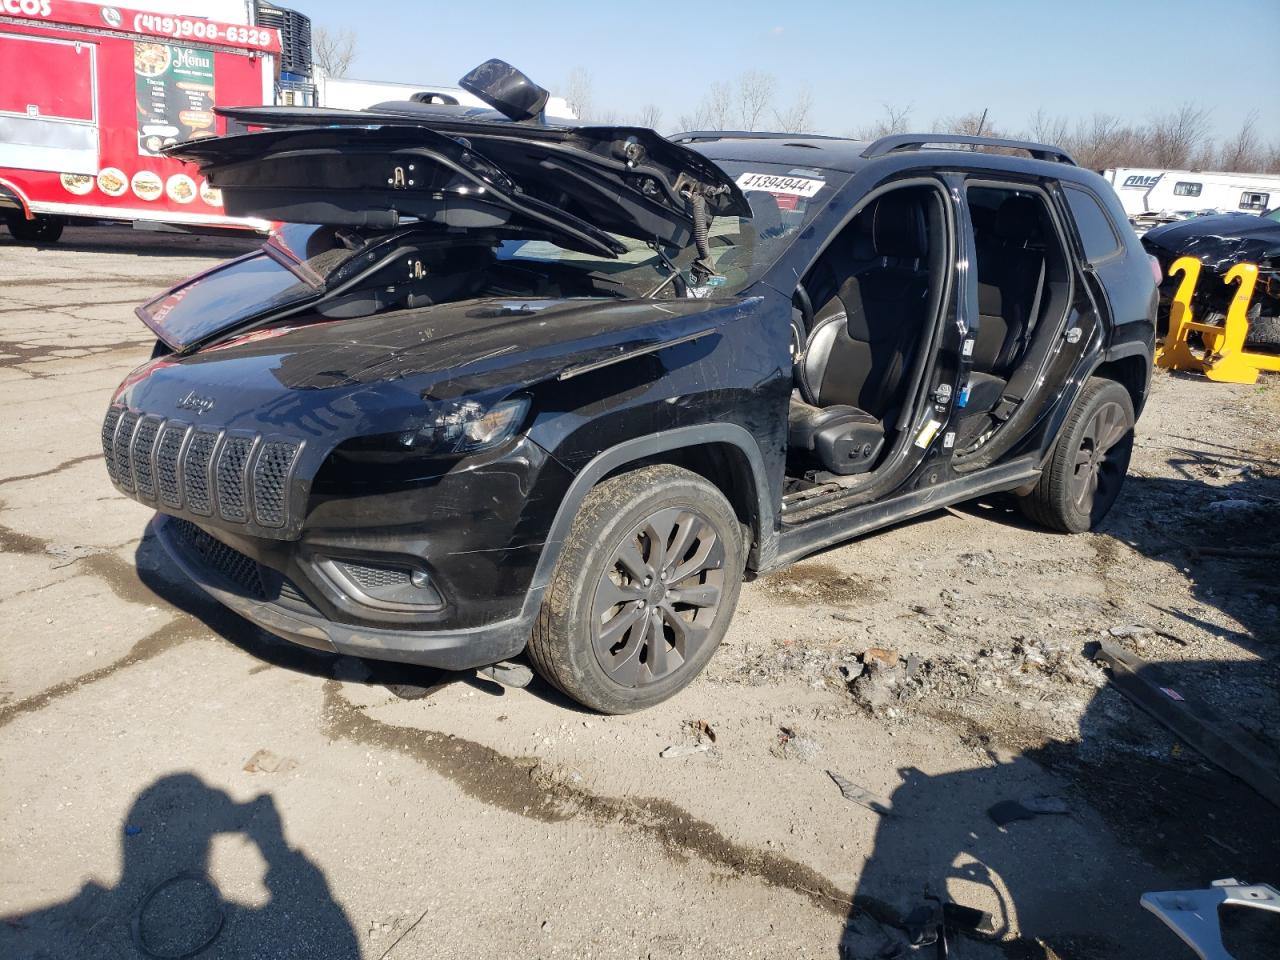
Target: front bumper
263 598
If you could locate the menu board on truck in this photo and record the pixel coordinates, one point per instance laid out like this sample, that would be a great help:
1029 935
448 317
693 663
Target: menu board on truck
175 87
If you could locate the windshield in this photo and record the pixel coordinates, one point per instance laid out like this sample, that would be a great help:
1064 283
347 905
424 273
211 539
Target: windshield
343 272
783 200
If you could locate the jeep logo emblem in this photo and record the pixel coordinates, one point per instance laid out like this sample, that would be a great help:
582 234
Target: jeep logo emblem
193 401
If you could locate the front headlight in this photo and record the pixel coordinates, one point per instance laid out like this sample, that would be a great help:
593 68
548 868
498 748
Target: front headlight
467 426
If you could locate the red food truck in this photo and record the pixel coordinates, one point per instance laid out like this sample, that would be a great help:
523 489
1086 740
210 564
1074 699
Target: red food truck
90 94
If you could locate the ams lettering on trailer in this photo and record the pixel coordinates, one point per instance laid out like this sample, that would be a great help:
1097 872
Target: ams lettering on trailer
164 25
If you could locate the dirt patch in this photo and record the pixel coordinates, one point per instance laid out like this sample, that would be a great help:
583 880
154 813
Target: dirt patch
526 787
807 583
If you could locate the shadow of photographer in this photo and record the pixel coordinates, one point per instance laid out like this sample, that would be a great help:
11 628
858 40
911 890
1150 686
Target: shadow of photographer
167 902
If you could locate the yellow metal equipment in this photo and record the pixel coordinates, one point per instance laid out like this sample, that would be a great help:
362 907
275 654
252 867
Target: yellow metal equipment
1224 358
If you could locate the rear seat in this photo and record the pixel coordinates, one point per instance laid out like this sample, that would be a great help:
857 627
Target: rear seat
1011 281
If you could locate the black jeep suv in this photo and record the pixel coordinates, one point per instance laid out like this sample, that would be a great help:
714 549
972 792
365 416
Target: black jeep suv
497 385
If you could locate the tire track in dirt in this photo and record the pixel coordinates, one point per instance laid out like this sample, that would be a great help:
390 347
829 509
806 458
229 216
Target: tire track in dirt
122 579
520 786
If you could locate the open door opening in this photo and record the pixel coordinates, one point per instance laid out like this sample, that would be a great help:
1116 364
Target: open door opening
865 319
1024 291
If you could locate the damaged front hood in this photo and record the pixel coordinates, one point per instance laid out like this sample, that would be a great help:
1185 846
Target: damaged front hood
449 351
380 167
1219 241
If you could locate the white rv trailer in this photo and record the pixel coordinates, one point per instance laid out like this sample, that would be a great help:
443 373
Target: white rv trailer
358 94
1154 191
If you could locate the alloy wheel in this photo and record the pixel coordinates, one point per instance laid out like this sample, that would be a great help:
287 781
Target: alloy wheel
1101 460
659 595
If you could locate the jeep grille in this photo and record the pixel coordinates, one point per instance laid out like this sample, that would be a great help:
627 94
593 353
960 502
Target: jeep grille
207 472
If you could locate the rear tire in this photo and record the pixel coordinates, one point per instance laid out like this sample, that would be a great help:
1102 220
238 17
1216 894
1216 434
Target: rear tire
643 591
1086 468
42 229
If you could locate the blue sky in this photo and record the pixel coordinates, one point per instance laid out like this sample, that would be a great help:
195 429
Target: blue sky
1132 59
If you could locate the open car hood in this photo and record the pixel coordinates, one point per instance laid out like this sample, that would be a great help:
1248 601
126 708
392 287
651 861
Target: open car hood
377 168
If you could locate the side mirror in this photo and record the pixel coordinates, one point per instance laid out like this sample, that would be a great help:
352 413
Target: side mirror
506 89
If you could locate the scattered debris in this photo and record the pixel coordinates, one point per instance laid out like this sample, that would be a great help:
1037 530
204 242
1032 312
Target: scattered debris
880 683
683 750
1131 630
879 655
69 553
378 928
200 906
793 745
861 795
132 830
701 730
1234 505
1145 685
1007 811
264 761
931 922
1219 472
508 673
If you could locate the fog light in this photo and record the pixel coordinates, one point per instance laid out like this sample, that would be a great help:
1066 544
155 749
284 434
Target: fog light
389 586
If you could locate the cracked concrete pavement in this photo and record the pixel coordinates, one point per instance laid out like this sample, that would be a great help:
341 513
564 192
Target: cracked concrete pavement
321 806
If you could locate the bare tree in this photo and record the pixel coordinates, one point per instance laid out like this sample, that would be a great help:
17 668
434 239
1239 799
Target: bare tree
968 124
333 50
719 106
700 119
1048 129
1205 157
1243 152
796 118
1173 138
578 93
1272 162
896 119
650 116
1102 141
755 91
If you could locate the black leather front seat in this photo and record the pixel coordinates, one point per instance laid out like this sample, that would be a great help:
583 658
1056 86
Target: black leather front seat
862 344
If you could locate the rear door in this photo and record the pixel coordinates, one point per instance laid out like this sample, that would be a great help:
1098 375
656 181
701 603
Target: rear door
48 104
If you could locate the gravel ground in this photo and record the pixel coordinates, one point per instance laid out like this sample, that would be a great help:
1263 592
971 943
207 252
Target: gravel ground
303 805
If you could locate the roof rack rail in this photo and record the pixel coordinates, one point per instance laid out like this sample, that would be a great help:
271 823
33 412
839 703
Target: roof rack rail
691 135
914 141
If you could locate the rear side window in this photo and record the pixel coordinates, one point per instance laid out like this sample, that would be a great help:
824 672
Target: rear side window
1254 201
1185 188
1096 233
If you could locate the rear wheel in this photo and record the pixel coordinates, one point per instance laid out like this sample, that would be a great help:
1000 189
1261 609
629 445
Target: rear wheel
643 591
1087 467
40 230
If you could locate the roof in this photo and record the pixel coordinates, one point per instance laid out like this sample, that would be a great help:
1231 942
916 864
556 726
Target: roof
825 153
846 155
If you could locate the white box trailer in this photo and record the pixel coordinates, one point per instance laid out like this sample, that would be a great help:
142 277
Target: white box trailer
344 94
1146 190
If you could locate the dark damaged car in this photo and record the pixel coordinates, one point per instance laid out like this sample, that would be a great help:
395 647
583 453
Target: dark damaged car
503 386
1220 242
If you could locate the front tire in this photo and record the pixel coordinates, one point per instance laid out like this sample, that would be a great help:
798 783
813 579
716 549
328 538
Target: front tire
643 591
1086 469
